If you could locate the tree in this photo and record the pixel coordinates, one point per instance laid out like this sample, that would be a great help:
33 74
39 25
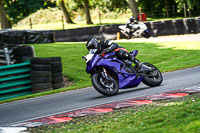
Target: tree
134 8
19 9
166 8
87 11
65 12
189 4
3 17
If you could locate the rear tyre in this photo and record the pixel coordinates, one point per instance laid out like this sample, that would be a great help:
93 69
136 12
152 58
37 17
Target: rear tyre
104 87
153 78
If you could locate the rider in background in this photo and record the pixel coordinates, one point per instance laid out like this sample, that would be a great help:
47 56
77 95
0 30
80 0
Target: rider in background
106 46
129 25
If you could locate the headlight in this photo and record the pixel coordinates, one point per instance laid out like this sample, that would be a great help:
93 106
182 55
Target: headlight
88 57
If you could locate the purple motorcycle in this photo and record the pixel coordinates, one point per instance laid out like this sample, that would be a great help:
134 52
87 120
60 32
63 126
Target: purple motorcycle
109 74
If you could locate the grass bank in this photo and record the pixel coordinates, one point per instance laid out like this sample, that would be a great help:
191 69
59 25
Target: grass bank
167 56
51 19
179 115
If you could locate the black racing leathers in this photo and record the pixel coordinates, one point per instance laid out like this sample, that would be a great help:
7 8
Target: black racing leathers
107 46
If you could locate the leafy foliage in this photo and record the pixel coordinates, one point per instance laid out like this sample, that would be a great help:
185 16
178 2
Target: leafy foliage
18 9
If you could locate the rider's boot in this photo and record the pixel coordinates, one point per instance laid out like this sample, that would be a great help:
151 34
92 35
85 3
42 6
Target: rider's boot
140 65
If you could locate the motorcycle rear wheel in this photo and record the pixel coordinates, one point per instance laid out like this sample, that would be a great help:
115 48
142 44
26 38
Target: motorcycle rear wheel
103 87
156 78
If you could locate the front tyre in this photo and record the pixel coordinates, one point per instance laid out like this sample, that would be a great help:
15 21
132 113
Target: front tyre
107 88
153 78
146 34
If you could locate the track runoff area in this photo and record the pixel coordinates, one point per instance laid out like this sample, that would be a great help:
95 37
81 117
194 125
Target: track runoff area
104 108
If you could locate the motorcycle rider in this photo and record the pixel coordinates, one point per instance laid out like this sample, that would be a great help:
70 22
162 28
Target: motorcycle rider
130 24
106 46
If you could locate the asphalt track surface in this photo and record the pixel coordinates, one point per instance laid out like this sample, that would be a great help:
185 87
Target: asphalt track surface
11 113
19 111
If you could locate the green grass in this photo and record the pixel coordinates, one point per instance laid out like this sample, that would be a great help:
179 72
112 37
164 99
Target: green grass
167 56
78 24
51 19
180 115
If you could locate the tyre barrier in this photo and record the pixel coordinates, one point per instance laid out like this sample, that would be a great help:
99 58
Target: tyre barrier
45 36
23 53
191 26
76 35
160 28
107 31
57 77
156 28
168 27
41 77
13 54
198 24
179 26
148 24
12 36
26 36
46 74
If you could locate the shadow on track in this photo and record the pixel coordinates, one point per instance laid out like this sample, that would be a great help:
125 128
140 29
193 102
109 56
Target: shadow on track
121 91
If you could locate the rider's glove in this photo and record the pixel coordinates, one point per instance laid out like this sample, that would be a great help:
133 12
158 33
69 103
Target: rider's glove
103 54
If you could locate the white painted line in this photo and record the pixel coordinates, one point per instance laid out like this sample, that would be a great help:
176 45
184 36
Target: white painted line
13 129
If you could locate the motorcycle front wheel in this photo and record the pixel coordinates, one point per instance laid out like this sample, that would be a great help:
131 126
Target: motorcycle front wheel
153 78
146 34
107 88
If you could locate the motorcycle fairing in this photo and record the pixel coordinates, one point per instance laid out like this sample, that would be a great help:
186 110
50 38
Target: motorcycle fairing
117 66
92 63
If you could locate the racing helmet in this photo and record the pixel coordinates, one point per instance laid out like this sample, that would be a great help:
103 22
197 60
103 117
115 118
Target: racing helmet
132 19
92 43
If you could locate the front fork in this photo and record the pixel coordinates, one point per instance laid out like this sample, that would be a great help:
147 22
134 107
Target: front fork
105 75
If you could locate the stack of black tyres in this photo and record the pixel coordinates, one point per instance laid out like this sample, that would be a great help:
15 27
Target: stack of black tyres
41 76
22 53
56 69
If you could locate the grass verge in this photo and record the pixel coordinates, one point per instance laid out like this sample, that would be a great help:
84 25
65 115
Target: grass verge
167 56
180 115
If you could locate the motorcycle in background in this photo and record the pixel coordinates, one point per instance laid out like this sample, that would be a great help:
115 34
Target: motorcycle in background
138 29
